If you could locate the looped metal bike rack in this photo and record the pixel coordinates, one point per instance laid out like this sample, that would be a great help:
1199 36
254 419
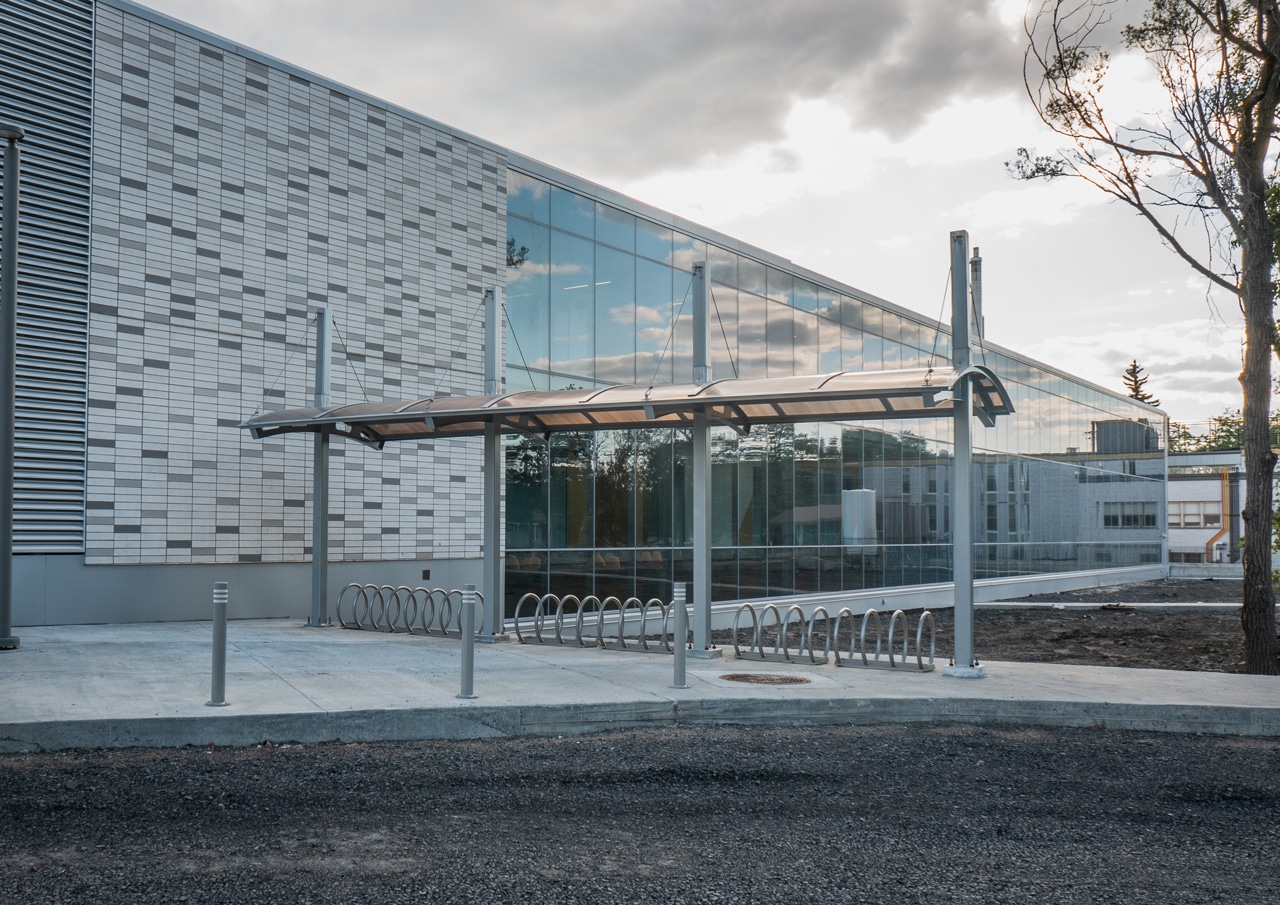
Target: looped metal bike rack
586 621
413 611
781 649
901 657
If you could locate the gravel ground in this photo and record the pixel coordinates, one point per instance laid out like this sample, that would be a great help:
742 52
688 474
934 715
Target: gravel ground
900 814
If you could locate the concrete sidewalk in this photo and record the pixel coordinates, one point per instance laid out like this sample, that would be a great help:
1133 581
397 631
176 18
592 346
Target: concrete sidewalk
147 684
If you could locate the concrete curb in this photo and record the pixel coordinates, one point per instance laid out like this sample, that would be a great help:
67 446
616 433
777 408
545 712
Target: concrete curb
476 722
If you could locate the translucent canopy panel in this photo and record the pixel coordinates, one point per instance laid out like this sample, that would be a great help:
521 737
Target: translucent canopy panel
738 403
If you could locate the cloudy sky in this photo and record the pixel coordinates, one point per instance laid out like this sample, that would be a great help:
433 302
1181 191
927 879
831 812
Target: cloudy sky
850 136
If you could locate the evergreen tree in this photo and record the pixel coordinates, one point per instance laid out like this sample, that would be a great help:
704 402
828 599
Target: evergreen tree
1135 380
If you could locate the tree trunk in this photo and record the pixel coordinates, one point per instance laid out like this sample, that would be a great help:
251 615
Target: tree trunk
1258 615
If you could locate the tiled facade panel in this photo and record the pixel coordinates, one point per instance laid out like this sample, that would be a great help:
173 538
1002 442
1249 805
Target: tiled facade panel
232 200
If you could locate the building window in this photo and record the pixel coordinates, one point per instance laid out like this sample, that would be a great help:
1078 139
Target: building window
1130 515
1200 514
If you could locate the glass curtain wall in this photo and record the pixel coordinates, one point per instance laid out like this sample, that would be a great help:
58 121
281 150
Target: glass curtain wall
598 296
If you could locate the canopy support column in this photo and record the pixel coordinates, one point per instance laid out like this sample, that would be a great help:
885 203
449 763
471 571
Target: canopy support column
701 501
965 666
320 483
493 582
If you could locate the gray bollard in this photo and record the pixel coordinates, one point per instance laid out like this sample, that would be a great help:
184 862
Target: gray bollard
218 694
680 641
468 626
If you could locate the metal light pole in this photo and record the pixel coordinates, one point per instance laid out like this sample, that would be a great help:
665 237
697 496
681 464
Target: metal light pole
8 369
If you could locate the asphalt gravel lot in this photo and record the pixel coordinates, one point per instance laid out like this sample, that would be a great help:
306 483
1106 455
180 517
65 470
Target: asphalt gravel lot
895 813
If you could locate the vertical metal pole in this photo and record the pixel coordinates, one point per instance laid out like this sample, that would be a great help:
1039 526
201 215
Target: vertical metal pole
468 627
962 480
680 635
701 501
8 370
493 582
975 292
320 483
218 691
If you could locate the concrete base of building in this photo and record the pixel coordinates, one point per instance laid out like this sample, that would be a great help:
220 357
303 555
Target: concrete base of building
61 590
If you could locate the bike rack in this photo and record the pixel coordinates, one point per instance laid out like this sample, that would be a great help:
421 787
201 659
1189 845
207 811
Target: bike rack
781 650
403 609
582 620
898 658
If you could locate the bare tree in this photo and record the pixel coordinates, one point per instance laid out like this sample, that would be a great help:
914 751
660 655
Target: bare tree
1198 174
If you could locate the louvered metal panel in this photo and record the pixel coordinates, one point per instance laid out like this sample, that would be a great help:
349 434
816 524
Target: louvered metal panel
46 87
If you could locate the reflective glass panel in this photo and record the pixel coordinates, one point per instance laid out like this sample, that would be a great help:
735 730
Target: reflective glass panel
779 349
528 197
753 353
615 227
724 266
829 353
615 316
724 487
527 476
805 339
528 298
806 508
850 312
724 332
751 276
781 286
782 489
753 484
570 490
653 488
572 212
572 305
653 322
681 350
653 241
806 295
615 474
686 251
615 573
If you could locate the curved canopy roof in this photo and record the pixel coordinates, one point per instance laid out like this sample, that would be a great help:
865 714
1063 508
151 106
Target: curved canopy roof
738 403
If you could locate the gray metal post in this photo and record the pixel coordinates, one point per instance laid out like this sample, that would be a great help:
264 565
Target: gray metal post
975 292
962 479
467 625
493 583
701 501
320 483
218 691
8 371
679 635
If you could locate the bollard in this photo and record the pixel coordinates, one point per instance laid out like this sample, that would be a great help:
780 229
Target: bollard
468 625
218 694
680 641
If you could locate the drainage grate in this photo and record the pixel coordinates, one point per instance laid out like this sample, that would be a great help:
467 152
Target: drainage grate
757 679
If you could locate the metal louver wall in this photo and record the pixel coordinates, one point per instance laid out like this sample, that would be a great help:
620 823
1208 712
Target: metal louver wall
46 81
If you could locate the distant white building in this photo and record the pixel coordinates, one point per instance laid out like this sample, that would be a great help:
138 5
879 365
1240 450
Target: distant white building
1206 493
